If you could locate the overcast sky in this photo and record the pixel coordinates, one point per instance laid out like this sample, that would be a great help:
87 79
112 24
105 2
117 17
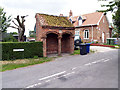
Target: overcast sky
52 7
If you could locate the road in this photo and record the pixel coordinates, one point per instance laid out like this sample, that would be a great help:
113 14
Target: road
96 70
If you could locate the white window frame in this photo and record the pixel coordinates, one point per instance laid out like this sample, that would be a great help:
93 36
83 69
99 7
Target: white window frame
77 32
85 37
80 22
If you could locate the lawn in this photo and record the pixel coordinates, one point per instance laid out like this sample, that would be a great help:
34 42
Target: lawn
10 65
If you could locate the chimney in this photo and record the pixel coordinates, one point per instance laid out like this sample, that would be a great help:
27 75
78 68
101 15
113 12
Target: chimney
70 13
61 15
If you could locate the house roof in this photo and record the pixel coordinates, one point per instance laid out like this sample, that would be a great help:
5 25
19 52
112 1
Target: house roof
55 21
90 19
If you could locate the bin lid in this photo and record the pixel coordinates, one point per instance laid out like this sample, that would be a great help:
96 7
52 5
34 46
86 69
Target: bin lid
88 43
82 44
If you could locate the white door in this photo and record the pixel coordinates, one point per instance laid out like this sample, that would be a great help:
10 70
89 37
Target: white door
103 37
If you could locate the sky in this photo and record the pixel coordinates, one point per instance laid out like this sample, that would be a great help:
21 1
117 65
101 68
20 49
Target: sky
51 7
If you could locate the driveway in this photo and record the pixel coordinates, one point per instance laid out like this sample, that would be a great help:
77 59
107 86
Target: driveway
101 49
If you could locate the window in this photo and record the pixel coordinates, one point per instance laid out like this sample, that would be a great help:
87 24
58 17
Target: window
86 34
80 20
77 32
70 20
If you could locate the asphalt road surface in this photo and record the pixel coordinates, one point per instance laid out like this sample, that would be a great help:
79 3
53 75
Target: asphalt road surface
96 70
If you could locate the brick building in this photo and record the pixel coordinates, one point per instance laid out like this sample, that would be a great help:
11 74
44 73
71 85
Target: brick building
56 33
91 27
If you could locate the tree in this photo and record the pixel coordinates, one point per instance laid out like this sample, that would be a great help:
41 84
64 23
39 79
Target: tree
114 6
20 27
32 34
116 19
4 20
9 38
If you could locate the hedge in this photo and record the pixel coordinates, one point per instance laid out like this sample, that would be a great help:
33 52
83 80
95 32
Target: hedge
31 49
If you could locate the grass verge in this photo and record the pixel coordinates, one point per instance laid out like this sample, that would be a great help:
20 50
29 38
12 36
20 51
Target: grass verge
116 46
77 52
10 65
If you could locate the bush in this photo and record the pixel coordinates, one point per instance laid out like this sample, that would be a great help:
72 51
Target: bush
96 42
31 49
35 57
10 39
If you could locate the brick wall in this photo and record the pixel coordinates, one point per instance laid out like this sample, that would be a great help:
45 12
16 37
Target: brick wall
52 43
65 43
54 39
103 27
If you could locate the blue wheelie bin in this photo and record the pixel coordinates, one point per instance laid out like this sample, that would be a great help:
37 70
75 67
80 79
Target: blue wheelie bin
83 49
88 47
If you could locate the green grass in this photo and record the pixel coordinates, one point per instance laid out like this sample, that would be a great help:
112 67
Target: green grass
10 65
76 52
92 51
113 45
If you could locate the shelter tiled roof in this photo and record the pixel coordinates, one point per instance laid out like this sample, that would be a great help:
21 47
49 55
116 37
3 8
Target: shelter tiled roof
56 21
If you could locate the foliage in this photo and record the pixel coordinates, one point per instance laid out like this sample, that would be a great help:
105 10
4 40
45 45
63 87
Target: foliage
9 65
32 34
35 57
10 38
114 6
31 49
114 32
76 52
4 20
116 19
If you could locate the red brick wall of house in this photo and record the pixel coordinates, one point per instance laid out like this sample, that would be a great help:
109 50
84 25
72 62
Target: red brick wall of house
90 33
97 31
104 27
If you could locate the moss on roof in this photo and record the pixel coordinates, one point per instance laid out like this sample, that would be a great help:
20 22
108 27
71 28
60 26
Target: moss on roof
56 21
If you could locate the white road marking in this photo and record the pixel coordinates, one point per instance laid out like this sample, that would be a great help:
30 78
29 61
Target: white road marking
48 81
39 83
35 84
101 60
68 74
52 75
74 68
31 86
106 60
57 74
87 64
94 62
